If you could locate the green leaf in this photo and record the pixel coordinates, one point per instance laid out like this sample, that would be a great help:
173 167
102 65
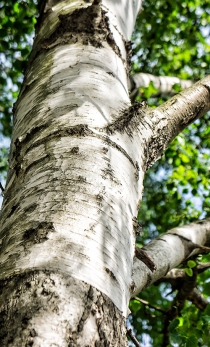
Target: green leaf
191 264
192 341
135 305
175 337
174 323
206 319
188 271
177 88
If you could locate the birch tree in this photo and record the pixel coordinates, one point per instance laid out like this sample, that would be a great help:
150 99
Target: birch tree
78 157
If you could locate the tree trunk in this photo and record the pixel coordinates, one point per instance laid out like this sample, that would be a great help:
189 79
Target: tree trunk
67 239
78 156
48 308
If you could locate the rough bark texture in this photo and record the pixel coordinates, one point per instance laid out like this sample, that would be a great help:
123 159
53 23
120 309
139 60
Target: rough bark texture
68 195
49 309
67 236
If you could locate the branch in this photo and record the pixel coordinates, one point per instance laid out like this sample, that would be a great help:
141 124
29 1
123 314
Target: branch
163 84
170 118
176 278
169 251
132 337
180 273
146 303
198 299
203 267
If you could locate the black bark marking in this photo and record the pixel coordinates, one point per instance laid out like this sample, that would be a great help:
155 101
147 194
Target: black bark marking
111 274
38 233
82 179
129 51
75 150
108 173
99 197
45 159
136 226
145 258
155 147
132 287
89 26
129 120
110 73
105 150
13 209
137 171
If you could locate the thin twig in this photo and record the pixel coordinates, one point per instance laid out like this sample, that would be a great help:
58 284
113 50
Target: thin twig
146 303
132 337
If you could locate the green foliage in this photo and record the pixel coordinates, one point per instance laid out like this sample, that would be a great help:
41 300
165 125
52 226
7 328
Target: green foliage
172 326
191 329
171 38
147 320
181 331
17 19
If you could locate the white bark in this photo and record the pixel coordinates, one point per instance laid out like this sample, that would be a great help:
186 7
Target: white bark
170 250
119 12
163 84
74 178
